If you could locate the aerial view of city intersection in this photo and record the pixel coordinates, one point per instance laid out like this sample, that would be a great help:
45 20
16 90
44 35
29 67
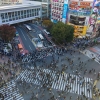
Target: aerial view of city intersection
50 50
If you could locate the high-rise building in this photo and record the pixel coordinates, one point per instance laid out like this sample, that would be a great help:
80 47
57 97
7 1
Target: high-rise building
59 10
46 7
76 13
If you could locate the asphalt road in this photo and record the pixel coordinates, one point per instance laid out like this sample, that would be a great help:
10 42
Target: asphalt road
28 45
37 30
62 60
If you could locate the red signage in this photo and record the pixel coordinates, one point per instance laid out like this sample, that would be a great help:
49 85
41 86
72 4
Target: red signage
84 3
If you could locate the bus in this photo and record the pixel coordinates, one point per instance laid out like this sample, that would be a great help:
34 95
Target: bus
41 37
28 27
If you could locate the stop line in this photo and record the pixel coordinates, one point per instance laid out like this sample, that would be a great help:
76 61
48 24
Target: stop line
61 82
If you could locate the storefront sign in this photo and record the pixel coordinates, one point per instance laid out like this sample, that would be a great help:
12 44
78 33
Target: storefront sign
84 3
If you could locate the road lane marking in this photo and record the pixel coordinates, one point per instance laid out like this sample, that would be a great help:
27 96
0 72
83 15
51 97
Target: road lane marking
30 47
23 34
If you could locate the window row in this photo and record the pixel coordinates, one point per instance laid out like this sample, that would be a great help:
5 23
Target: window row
28 13
18 17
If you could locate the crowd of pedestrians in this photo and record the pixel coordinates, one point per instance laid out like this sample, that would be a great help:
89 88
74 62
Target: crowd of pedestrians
46 79
71 49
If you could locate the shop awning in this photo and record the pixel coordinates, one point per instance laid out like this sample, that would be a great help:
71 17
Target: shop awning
20 46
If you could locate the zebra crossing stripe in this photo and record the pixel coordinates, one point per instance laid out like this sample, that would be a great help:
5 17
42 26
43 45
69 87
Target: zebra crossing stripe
73 83
54 77
78 85
58 82
10 86
91 55
61 82
66 80
55 83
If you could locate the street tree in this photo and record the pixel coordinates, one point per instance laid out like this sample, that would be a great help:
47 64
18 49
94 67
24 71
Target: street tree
48 24
62 33
7 32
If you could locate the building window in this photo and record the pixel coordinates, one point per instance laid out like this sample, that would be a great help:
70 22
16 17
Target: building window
21 13
18 13
32 14
33 10
24 12
15 13
3 21
2 15
27 11
24 16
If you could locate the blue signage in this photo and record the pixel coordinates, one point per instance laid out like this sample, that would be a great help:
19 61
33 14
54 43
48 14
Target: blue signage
65 10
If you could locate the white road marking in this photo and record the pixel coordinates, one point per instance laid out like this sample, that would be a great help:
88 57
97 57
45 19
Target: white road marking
23 34
59 84
89 54
30 47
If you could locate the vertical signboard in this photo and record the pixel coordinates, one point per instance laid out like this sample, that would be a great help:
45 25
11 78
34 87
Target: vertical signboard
93 17
65 11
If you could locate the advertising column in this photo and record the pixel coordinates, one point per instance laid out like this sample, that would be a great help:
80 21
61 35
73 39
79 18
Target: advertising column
65 11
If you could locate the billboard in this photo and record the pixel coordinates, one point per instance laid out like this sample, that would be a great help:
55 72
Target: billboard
65 10
93 17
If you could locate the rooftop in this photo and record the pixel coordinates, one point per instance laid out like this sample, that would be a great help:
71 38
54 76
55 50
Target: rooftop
17 6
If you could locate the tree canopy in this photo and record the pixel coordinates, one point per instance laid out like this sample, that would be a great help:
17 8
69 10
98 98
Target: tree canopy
7 32
62 32
48 24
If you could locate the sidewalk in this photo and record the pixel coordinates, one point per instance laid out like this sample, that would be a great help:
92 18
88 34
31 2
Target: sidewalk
97 84
6 77
3 59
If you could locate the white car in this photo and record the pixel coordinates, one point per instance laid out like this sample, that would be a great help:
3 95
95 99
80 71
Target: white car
46 32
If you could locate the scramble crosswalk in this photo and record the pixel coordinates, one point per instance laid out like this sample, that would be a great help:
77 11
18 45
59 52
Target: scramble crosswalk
11 92
61 82
39 55
91 55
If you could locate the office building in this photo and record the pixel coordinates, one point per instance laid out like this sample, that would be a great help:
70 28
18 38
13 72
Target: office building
46 7
59 10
